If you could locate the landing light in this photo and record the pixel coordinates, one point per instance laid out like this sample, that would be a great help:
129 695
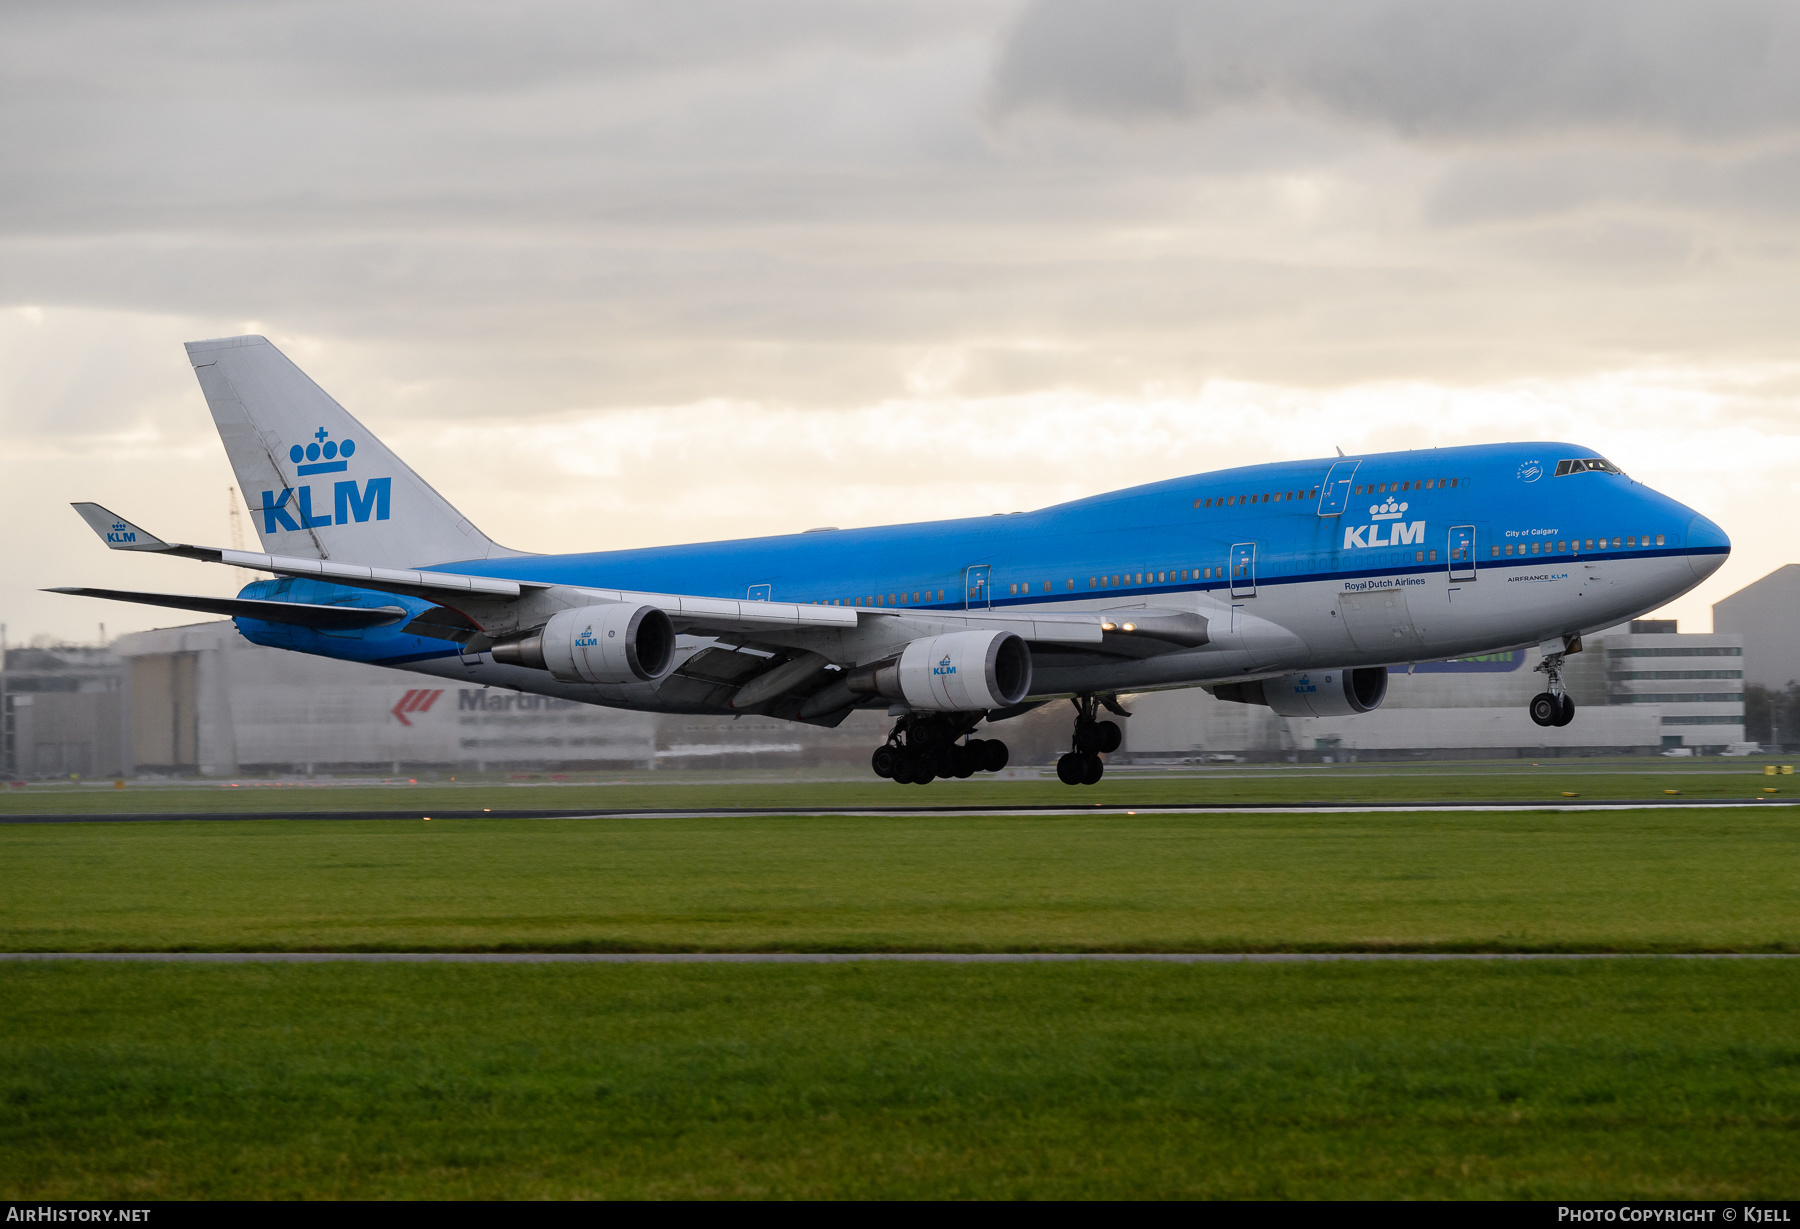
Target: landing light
1109 627
1131 627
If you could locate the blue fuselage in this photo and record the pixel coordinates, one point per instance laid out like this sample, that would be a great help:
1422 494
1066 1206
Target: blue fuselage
1492 547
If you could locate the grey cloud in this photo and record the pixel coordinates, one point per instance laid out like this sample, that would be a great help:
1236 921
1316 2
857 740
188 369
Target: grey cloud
1537 185
447 47
1695 69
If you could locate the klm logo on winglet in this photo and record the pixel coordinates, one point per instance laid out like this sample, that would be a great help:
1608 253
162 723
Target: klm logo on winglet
120 533
944 667
1408 534
294 509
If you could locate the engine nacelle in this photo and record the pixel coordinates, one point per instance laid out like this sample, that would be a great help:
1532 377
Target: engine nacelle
614 643
1314 693
958 672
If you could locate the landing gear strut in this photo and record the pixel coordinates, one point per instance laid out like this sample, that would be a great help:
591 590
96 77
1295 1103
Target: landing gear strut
922 748
1093 737
1553 707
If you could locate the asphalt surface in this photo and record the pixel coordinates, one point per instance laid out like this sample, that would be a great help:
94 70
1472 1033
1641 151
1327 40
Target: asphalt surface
1092 808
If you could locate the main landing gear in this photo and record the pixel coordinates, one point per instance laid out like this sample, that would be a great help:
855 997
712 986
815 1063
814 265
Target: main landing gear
921 749
1093 737
1553 706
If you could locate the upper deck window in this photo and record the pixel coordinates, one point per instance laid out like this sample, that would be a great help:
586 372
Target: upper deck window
1583 465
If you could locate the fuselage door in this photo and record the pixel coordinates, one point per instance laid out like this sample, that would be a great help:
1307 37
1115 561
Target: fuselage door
975 587
1462 552
760 593
1243 570
1335 496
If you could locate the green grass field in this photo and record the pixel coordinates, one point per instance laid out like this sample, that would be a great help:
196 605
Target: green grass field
1619 881
1431 781
1630 1078
1618 1079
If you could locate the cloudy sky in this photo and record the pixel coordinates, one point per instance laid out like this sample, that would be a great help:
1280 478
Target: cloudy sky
616 274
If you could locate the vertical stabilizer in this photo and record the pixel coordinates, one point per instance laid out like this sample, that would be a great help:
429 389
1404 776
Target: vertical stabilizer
318 484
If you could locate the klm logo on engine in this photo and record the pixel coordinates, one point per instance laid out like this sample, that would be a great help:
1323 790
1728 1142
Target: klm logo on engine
1397 533
350 503
120 532
944 667
587 639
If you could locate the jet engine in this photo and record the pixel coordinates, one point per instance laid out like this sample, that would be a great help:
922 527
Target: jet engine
958 672
614 643
1314 693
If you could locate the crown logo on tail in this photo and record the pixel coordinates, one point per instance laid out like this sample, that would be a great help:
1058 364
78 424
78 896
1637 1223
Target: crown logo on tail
324 455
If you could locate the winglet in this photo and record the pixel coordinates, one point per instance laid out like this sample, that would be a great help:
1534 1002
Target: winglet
117 532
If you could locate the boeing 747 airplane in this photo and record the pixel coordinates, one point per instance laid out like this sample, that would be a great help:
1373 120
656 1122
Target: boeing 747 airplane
1293 585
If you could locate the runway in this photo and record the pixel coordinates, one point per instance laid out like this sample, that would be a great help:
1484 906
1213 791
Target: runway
915 812
853 957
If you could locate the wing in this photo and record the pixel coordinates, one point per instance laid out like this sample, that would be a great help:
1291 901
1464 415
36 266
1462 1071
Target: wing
300 614
500 607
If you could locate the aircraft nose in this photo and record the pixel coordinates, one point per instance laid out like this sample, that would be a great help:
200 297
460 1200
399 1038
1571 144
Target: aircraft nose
1708 547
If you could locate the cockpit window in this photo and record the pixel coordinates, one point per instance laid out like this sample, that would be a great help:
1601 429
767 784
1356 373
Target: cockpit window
1583 465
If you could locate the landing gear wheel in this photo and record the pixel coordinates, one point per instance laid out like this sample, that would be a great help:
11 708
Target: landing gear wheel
883 761
943 760
1092 769
994 755
1071 769
1568 711
1110 735
968 762
923 772
1546 708
902 770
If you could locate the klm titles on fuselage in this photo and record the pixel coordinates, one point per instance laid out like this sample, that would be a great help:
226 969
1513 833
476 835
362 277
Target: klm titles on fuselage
349 502
1398 533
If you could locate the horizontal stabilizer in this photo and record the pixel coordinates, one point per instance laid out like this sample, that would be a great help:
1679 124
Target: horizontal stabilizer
301 614
117 532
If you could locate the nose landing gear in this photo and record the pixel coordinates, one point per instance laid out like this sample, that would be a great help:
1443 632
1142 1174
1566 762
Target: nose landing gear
921 749
1554 707
1093 738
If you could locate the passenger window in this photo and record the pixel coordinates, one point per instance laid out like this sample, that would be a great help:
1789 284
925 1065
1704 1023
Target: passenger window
1631 541
1659 539
1454 481
1015 589
1495 550
1359 490
1615 544
1209 503
940 595
1509 549
1433 555
1093 582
